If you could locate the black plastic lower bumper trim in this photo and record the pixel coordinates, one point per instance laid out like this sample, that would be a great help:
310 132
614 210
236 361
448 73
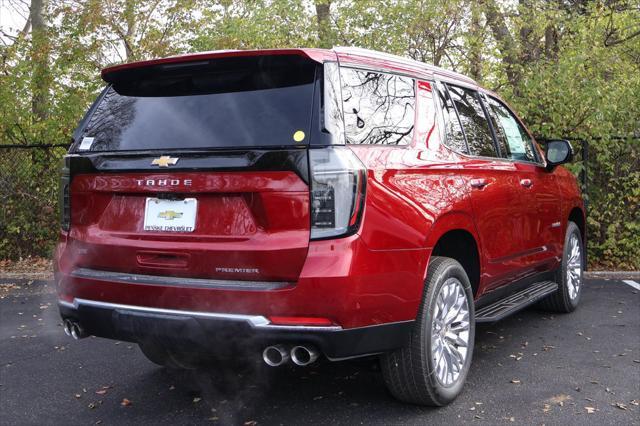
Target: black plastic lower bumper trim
210 334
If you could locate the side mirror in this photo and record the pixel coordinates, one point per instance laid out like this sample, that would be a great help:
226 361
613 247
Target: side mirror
558 151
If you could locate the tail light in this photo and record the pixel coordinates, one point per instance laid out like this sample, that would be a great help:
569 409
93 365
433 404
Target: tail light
338 185
65 198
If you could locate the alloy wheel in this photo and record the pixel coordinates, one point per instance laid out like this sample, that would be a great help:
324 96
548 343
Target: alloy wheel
450 331
574 267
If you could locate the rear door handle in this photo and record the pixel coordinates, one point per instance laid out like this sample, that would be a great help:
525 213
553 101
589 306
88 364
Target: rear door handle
527 183
478 183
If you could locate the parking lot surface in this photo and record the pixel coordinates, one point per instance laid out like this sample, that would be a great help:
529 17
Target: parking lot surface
532 368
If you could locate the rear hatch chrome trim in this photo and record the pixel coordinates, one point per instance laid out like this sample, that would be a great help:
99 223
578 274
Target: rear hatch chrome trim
141 279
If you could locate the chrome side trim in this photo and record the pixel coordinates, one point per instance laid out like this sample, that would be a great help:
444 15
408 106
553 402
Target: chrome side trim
255 321
120 277
300 327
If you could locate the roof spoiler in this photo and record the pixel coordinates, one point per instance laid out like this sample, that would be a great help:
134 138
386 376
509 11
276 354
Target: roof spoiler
121 72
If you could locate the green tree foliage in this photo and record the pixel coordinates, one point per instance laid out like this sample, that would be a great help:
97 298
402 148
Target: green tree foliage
571 68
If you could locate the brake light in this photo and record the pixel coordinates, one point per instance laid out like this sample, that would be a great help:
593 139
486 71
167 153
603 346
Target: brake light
65 199
338 187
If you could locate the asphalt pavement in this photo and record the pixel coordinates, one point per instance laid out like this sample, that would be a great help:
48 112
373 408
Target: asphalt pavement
532 368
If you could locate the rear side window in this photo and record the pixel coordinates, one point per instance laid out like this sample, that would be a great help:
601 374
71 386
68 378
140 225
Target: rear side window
510 133
474 122
223 103
379 108
454 135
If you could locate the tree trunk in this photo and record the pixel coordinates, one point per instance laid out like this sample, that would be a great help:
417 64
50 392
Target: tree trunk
322 15
504 39
550 43
128 39
40 78
475 45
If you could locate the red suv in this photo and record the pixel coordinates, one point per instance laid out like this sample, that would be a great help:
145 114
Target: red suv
307 202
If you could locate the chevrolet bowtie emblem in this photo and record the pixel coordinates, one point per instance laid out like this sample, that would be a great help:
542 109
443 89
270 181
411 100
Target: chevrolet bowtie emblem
169 215
164 161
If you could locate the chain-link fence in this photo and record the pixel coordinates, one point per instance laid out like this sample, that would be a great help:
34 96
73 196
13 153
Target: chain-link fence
29 179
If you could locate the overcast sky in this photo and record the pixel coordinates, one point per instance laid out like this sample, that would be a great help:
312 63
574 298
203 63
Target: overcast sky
13 15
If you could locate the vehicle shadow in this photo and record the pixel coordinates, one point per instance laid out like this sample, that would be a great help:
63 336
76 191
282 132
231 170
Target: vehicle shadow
341 392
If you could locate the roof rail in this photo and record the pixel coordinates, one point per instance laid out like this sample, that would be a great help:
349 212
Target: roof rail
400 59
376 54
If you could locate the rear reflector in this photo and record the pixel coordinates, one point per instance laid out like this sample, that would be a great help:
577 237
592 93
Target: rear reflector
310 321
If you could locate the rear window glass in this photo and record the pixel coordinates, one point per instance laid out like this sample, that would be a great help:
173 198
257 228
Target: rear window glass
379 108
454 136
224 103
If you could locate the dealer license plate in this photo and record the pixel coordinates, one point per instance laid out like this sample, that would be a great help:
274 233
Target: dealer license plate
170 215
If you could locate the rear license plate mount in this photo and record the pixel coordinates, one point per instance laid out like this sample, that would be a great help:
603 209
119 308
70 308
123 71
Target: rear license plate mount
162 215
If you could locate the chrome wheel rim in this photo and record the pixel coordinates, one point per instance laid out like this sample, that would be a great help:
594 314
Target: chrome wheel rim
574 267
450 331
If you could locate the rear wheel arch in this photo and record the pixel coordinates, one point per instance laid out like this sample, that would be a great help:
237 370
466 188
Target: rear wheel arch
461 245
453 235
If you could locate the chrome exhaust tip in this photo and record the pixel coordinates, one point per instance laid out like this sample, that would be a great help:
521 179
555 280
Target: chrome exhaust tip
66 326
75 330
304 355
275 356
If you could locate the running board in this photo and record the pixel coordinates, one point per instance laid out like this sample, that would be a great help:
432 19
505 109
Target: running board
520 300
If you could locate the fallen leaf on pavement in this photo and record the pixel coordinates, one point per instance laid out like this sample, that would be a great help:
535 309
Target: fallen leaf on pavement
125 402
559 399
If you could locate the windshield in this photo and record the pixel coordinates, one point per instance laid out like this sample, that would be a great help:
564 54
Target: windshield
223 103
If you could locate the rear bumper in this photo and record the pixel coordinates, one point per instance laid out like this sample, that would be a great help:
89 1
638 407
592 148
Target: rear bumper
215 332
370 296
341 280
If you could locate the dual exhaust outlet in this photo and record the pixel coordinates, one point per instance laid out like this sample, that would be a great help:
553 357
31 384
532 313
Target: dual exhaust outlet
73 329
301 355
273 356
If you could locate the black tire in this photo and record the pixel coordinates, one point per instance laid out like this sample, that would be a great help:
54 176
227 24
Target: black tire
560 300
165 357
409 372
